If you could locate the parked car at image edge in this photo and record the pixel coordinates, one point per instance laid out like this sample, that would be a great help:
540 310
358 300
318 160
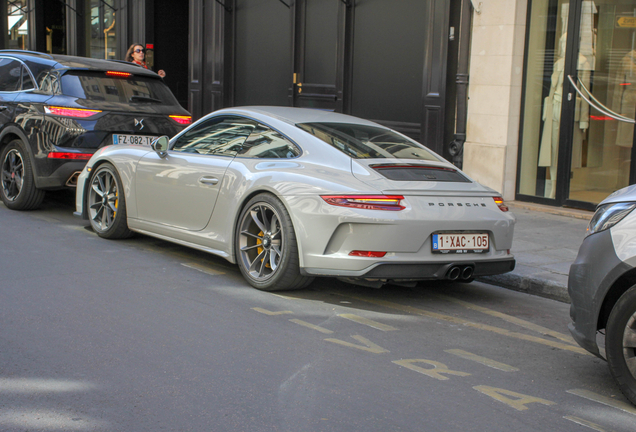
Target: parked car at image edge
602 288
290 194
56 110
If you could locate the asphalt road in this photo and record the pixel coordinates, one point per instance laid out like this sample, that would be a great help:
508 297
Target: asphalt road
143 335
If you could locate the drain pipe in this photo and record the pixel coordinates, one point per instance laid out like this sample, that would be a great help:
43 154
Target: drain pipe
456 147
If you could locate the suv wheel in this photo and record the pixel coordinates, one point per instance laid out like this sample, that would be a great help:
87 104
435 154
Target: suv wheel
17 187
620 343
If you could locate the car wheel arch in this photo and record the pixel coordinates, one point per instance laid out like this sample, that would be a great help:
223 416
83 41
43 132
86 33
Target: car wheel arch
13 132
239 210
617 289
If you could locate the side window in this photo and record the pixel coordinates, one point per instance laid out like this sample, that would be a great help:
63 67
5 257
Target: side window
9 75
219 136
27 81
267 143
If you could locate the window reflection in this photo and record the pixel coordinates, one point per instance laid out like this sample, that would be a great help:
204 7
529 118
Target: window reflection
18 24
102 27
223 136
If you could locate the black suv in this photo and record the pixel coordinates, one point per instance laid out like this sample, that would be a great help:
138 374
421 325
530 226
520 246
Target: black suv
56 110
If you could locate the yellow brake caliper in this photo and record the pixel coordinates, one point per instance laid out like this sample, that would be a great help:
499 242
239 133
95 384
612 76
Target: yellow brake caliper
260 249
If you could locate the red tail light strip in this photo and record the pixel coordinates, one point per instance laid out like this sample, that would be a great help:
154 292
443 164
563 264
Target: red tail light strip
118 74
367 202
184 120
65 155
70 112
367 254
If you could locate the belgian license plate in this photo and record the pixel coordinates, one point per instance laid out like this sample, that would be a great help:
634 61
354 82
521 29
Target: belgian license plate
132 139
461 243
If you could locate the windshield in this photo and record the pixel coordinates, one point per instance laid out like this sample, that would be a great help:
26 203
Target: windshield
368 142
96 86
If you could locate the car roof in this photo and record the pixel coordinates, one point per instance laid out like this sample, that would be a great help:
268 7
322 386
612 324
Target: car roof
57 61
293 115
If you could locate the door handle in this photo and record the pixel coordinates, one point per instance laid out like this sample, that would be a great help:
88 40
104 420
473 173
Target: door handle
209 180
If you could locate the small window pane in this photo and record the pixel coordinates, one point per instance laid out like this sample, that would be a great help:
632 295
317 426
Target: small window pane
27 82
9 75
219 136
267 143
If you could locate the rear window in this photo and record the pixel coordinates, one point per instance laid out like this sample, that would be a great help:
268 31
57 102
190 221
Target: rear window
368 142
96 86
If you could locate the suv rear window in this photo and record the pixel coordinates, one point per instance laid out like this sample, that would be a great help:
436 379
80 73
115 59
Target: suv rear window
96 86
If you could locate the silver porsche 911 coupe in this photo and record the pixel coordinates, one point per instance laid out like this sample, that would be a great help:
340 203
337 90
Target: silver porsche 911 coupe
290 194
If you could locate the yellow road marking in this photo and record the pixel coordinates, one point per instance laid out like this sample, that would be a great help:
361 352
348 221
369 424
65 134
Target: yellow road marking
436 372
284 296
519 404
311 326
595 397
202 268
266 312
367 322
368 345
584 422
511 319
461 321
482 360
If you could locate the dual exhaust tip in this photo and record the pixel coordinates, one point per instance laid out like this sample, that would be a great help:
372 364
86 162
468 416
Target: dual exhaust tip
460 272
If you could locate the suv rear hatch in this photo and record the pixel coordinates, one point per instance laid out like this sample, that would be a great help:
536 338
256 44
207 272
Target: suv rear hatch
130 105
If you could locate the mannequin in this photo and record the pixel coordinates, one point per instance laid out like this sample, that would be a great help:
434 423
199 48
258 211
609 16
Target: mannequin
549 147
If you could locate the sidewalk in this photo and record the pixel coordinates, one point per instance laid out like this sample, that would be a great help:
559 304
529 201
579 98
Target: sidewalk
546 241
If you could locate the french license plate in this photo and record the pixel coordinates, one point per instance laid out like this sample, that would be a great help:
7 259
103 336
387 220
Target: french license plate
461 243
132 139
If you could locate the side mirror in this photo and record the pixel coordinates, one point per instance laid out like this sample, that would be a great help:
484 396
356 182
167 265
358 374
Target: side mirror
160 145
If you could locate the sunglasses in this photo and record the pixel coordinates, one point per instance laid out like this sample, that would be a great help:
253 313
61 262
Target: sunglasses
140 50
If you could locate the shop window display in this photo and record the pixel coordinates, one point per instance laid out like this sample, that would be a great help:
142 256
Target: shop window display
599 144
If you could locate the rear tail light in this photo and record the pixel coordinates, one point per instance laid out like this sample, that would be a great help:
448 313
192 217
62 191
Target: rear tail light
184 120
367 202
118 74
500 203
367 254
66 155
70 112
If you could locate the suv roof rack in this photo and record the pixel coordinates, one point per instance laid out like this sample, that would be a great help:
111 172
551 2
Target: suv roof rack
27 52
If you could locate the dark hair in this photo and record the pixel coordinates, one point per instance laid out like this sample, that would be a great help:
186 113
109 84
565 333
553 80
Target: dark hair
129 53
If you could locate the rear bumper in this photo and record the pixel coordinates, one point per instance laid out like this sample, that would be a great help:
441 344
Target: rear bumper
60 176
418 271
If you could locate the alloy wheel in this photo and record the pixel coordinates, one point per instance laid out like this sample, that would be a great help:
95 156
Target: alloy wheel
103 200
261 241
629 344
12 174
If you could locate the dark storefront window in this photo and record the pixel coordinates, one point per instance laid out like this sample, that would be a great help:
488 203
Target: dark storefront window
18 24
103 42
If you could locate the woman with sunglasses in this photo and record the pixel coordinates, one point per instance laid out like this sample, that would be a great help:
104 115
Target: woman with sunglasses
136 54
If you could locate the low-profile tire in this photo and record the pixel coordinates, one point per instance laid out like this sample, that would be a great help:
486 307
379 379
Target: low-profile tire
266 247
620 343
17 184
106 203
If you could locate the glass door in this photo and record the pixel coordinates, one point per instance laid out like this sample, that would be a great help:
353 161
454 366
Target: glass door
604 88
